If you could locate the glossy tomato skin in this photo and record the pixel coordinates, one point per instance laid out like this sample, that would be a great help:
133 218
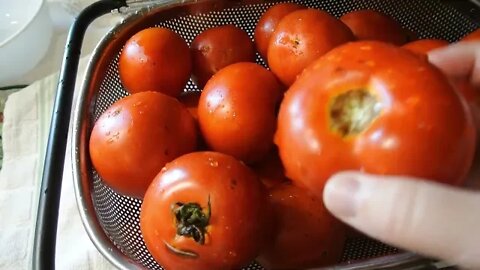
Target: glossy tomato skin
218 47
237 111
423 46
155 59
136 136
238 226
307 235
422 128
374 25
473 36
300 38
268 22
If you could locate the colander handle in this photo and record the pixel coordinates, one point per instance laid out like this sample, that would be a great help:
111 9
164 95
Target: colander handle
47 216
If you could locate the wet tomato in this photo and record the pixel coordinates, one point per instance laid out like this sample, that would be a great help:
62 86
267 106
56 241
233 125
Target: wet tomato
136 137
307 235
218 47
374 25
300 38
473 36
155 59
268 22
423 46
378 108
205 210
237 111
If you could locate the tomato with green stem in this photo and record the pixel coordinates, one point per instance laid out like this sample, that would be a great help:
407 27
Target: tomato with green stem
205 210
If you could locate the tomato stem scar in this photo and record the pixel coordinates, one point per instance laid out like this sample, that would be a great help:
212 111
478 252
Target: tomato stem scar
192 220
353 111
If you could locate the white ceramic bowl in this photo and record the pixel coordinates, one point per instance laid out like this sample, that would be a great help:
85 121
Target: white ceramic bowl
25 34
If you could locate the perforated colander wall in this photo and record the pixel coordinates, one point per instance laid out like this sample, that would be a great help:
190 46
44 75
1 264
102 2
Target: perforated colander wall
119 216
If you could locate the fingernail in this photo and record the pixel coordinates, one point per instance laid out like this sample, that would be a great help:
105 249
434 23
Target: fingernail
340 195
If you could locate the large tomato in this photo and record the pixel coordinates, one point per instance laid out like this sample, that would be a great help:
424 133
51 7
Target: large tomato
268 22
378 108
423 46
374 25
300 38
218 47
155 59
136 136
205 210
473 36
237 111
307 235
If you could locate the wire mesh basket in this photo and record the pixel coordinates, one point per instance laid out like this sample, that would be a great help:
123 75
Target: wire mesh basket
112 220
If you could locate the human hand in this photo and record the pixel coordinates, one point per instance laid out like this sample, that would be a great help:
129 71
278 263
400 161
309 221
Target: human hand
421 216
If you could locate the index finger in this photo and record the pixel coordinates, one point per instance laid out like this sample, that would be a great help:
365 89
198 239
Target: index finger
460 60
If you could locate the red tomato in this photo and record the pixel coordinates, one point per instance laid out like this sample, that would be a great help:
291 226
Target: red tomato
374 25
423 46
374 107
155 59
307 235
268 22
136 136
237 111
473 36
300 38
270 170
205 210
218 47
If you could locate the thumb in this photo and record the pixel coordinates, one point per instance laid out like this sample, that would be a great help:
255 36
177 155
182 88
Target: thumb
420 216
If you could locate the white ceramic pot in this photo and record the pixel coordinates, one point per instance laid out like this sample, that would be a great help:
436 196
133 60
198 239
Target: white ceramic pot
25 34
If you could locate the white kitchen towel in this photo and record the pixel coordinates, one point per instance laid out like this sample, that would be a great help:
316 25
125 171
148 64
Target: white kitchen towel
26 125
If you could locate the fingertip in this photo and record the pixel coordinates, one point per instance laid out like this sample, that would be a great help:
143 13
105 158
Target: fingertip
340 194
455 60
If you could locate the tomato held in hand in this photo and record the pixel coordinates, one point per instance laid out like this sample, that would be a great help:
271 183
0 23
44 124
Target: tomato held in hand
136 136
205 210
155 59
307 236
237 111
268 22
374 107
218 47
300 38
473 36
423 46
374 25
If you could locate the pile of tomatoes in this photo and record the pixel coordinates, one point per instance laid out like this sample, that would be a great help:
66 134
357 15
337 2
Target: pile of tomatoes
236 172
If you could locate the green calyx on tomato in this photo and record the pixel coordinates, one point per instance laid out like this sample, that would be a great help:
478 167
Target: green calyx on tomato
192 220
353 111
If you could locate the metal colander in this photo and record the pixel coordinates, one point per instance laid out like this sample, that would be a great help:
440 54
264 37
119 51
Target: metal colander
112 220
